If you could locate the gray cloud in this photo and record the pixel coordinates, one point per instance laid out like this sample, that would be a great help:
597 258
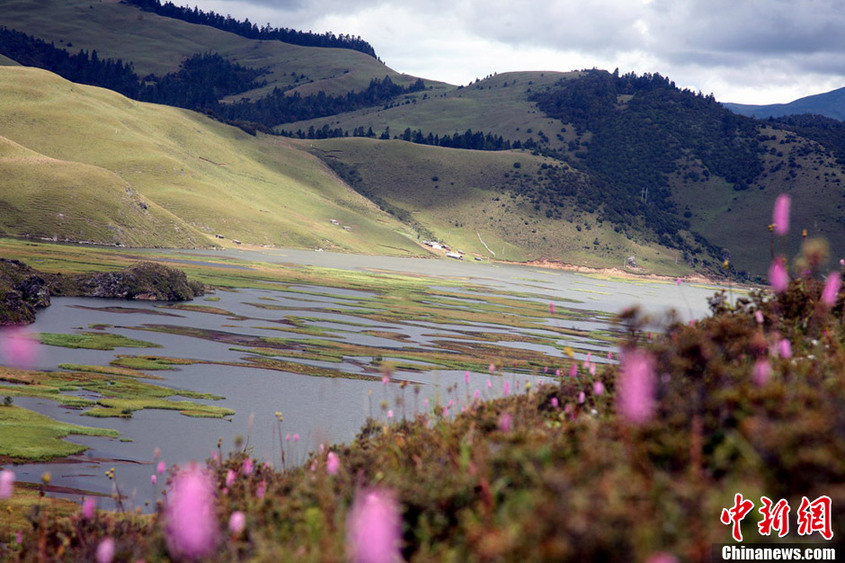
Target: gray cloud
775 50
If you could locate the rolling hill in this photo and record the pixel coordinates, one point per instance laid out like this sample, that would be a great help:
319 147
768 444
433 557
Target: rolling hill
584 167
85 164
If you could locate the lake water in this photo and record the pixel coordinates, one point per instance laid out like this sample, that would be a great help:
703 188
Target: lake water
317 410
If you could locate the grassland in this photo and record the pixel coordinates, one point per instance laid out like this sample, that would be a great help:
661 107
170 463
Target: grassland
159 45
468 200
145 175
497 105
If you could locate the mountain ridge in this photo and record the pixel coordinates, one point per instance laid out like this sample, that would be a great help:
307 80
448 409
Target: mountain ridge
664 173
829 104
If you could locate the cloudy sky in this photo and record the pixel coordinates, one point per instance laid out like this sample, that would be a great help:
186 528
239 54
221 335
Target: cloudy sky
744 51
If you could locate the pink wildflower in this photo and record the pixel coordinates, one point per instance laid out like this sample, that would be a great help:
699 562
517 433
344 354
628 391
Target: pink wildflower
758 316
19 349
507 389
230 478
105 551
635 388
780 215
505 422
190 523
161 467
555 403
466 377
246 468
89 508
778 276
153 479
237 523
551 308
373 530
762 371
296 437
831 289
7 482
261 489
785 348
477 394
598 388
389 414
332 463
581 398
592 369
573 371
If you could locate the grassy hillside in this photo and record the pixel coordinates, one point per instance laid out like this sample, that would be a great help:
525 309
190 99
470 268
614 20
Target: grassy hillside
96 166
158 45
470 199
497 105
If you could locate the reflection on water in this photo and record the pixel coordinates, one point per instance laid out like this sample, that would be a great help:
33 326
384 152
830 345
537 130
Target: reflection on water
316 409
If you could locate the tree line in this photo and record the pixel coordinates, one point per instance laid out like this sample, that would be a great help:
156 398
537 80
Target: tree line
199 84
475 140
252 31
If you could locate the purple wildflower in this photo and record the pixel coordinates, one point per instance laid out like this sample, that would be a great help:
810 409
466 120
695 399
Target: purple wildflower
190 523
373 530
831 289
780 215
635 389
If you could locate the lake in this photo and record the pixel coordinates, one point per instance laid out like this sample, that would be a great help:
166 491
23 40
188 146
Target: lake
317 354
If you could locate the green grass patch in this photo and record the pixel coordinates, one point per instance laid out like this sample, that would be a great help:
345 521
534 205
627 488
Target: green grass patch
27 435
93 341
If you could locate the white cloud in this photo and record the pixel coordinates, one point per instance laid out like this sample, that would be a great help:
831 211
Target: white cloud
749 51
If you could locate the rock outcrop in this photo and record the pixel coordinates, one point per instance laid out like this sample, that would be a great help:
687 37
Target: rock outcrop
24 290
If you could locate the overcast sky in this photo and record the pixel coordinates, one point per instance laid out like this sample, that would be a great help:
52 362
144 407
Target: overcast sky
744 51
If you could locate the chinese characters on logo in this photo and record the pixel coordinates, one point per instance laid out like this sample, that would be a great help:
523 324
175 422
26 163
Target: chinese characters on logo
812 516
